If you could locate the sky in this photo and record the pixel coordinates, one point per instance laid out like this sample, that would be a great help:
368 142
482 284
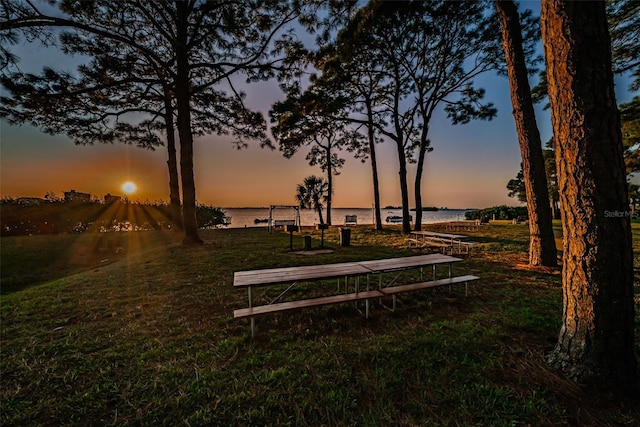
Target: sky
469 166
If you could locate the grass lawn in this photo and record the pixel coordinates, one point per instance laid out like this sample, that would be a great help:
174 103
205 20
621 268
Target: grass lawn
135 329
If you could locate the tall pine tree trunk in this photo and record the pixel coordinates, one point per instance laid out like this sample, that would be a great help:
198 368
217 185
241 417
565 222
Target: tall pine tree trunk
175 205
330 181
404 189
542 245
402 156
417 225
374 168
183 97
596 342
424 148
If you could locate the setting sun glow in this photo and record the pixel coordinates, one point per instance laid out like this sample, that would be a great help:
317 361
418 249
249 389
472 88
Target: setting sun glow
129 187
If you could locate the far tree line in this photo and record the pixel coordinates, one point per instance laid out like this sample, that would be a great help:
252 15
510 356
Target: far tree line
53 215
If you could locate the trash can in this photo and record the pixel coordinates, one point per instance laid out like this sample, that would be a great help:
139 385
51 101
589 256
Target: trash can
307 243
345 236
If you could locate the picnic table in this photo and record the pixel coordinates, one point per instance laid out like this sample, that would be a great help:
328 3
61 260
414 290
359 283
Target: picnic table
445 241
469 225
353 271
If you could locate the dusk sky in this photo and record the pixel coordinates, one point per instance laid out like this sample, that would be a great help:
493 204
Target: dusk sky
469 166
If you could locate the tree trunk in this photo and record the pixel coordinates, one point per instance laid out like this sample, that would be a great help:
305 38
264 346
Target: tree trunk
402 157
329 181
374 169
417 225
318 206
183 102
596 342
404 189
542 245
556 209
175 205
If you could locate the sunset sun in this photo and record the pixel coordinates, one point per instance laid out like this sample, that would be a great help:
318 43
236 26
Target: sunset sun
129 187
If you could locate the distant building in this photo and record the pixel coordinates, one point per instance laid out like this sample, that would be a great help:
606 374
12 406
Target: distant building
74 196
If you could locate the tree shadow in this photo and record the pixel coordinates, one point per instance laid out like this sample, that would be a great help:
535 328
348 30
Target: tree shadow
29 261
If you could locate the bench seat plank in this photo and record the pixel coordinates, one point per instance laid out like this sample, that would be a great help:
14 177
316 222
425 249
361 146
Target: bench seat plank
425 285
313 302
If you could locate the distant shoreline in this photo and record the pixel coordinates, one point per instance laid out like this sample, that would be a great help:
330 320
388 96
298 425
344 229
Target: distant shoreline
369 208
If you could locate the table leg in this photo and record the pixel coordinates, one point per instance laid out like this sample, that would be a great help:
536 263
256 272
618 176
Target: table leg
356 288
253 321
366 302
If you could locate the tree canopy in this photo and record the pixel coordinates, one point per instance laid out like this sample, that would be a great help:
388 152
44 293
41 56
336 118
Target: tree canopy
623 17
396 62
190 51
630 120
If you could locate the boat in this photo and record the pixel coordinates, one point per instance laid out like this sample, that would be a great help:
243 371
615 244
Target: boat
260 220
395 219
426 209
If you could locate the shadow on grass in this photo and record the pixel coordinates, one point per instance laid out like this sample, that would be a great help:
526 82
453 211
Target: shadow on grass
29 261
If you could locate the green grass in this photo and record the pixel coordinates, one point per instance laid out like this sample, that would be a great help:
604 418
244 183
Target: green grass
135 329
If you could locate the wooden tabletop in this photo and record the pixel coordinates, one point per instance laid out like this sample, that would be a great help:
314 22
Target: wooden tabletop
289 274
328 271
442 235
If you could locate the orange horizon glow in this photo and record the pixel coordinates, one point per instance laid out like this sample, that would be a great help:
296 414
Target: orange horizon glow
226 177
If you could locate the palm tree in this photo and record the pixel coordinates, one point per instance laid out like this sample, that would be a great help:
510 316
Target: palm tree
311 193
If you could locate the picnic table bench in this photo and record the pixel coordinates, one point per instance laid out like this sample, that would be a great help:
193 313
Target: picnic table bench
292 276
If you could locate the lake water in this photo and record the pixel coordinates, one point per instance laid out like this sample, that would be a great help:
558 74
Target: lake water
245 217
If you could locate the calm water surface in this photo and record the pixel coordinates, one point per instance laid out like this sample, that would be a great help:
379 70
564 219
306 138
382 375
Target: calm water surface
245 217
